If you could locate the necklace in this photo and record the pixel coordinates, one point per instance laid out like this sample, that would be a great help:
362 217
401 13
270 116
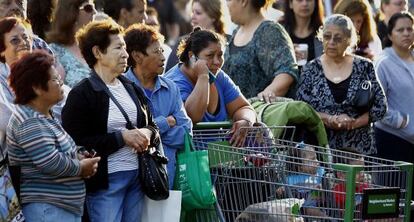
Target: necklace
336 72
336 79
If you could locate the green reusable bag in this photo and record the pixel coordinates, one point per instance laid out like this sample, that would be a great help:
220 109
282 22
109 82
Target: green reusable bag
193 177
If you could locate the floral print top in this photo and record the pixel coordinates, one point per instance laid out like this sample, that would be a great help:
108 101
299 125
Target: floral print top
254 66
314 89
75 70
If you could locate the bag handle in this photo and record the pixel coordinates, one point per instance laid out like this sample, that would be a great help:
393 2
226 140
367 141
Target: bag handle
188 143
129 123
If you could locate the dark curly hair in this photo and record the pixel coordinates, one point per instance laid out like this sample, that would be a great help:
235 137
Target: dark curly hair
96 33
138 37
198 40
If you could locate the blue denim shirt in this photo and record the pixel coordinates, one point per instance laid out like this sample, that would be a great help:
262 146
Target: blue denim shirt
165 101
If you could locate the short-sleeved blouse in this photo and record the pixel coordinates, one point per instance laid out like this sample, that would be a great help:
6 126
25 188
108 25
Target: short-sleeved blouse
314 89
253 66
75 69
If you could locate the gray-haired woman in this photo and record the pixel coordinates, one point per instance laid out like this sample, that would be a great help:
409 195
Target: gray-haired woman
330 84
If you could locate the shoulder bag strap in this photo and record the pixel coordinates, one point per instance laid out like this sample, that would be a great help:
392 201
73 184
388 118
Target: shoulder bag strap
129 123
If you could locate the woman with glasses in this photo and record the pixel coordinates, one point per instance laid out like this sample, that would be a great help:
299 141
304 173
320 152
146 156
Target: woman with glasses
15 41
395 68
69 17
52 172
331 84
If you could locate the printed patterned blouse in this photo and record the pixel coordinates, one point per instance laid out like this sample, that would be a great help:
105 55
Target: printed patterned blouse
253 66
314 89
75 69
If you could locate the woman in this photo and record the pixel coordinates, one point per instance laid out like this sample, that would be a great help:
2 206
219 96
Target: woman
51 170
395 68
330 84
302 20
208 93
360 12
93 117
69 17
15 41
207 14
260 56
144 46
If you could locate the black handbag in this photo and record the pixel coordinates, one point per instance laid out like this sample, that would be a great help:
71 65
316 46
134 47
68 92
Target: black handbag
152 174
364 97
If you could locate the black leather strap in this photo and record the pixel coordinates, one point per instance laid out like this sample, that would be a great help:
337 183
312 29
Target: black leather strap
129 123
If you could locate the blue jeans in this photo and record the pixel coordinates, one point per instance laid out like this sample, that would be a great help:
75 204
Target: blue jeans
43 212
121 202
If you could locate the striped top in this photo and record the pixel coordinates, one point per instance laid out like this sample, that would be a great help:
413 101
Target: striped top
123 159
48 160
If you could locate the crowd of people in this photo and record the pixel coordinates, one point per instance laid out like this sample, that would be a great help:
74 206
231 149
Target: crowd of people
115 77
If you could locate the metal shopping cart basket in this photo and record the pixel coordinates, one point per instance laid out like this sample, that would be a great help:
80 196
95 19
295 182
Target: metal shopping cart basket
272 178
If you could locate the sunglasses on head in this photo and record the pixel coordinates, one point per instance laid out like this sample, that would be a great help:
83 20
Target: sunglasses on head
89 8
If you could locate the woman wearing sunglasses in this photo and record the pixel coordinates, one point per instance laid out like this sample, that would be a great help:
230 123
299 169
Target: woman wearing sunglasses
330 84
69 17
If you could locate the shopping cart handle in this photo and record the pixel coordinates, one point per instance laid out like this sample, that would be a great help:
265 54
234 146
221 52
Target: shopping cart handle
213 125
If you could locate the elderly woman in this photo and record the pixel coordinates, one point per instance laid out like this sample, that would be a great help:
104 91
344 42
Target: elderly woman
260 56
51 170
208 93
108 113
15 41
395 68
69 17
330 84
147 63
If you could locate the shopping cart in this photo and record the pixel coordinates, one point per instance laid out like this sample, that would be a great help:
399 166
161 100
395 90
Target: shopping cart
261 181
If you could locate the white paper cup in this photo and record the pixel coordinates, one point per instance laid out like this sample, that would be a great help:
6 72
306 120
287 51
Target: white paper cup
302 54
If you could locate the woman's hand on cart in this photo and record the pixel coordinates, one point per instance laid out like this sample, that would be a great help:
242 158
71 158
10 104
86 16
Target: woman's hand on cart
239 132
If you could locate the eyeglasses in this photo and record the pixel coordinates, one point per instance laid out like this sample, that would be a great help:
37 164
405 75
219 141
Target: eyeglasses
336 39
158 51
88 8
17 40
